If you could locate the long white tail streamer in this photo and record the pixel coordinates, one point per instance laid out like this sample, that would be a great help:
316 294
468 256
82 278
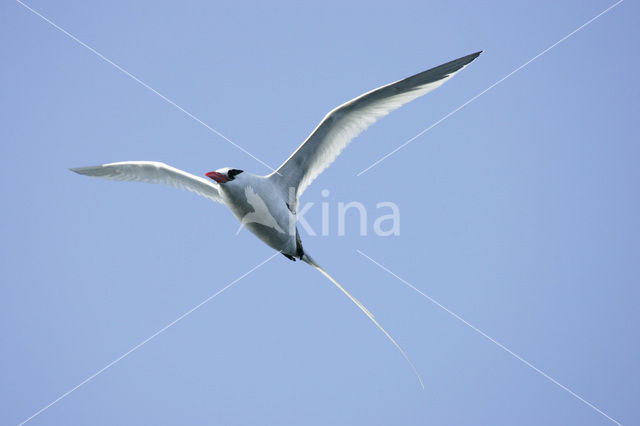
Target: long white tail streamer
482 333
306 258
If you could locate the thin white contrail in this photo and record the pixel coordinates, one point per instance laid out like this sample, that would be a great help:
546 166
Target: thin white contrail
488 88
136 347
482 333
145 85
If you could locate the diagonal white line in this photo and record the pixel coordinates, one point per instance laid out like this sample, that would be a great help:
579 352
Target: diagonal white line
136 347
482 333
488 88
145 85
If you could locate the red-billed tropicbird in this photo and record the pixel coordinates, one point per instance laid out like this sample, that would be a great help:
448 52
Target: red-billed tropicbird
267 205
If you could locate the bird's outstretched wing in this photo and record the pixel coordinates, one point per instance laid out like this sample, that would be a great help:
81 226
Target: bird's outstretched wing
347 121
153 172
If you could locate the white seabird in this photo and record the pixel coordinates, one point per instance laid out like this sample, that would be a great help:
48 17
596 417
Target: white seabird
267 205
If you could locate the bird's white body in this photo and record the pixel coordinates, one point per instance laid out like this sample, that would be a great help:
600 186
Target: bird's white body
257 203
267 205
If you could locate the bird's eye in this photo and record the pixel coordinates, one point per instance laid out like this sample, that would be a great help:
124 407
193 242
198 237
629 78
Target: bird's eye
233 172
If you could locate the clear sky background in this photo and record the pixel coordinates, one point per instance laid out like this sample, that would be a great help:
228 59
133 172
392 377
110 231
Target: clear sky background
519 213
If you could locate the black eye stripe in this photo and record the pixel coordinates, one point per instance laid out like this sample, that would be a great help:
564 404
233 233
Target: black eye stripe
233 173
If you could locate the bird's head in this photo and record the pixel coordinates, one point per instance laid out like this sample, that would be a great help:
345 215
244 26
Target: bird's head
224 175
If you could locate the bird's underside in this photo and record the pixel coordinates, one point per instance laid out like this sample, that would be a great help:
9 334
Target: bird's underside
299 249
267 205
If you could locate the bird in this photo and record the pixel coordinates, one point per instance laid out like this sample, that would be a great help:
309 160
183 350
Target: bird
267 205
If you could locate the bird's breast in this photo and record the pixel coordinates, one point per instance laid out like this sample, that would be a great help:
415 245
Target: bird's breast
261 211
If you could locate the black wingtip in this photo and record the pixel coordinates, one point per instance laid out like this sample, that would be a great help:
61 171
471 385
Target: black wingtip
474 55
456 64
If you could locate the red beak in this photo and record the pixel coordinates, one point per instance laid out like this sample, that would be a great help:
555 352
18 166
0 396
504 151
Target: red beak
218 177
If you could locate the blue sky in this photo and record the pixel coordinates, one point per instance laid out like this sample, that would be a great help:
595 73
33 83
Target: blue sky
518 213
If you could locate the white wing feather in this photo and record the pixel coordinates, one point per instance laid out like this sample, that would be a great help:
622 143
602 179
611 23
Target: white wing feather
343 124
153 172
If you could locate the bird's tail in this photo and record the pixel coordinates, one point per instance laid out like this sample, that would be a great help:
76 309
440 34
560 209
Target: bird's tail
307 259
